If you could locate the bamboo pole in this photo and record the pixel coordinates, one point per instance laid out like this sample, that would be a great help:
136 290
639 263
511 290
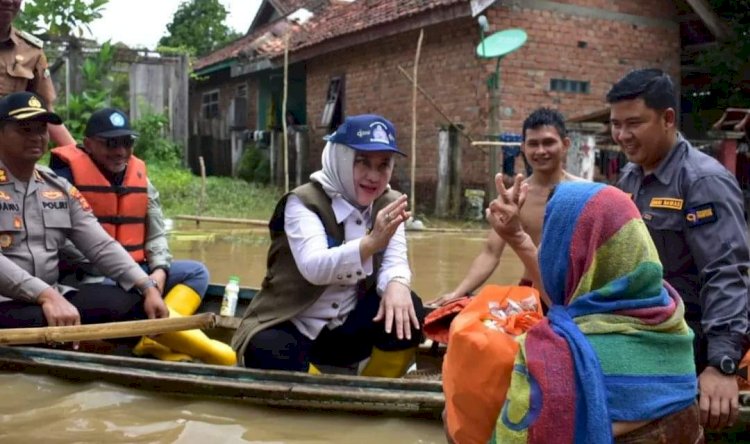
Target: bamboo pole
283 113
413 205
491 143
228 220
434 104
111 330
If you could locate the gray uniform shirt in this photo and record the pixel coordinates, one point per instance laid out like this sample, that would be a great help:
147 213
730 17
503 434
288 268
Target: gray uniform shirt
36 219
694 210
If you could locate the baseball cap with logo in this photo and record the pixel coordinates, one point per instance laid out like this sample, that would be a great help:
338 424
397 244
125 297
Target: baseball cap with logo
108 122
366 132
26 106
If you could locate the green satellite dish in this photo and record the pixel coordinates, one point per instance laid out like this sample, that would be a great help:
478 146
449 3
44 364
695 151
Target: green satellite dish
501 43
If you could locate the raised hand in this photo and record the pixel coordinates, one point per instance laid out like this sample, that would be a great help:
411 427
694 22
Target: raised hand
503 213
385 226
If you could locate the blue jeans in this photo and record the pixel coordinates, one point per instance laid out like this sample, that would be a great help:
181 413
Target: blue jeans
191 273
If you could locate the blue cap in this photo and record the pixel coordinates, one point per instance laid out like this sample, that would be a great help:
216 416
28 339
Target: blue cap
366 132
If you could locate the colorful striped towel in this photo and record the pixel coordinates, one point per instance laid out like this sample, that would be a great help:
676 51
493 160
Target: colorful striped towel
615 345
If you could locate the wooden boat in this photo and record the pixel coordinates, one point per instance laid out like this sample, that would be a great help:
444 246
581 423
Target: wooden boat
356 394
262 387
329 392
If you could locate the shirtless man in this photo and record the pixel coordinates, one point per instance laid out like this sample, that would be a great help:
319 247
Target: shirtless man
545 145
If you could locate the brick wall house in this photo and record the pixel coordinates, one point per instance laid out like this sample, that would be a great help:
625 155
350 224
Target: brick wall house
573 45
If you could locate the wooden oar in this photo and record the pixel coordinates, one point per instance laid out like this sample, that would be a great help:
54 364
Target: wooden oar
111 330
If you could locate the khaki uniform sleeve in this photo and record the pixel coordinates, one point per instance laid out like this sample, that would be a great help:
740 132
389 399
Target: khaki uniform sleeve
157 247
105 253
42 81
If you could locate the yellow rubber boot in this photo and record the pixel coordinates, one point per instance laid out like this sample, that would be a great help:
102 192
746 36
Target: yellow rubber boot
196 344
389 364
150 347
183 299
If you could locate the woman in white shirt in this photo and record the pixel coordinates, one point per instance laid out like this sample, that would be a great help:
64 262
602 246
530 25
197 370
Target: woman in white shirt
337 290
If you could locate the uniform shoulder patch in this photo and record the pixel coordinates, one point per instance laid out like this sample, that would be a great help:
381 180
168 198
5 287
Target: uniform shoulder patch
701 215
75 194
32 39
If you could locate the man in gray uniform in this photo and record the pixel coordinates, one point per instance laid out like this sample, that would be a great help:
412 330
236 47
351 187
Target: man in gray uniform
693 209
38 212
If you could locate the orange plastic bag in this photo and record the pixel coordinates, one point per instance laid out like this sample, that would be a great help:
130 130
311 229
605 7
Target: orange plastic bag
437 324
479 360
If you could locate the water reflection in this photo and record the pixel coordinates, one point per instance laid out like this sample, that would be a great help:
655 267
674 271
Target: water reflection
53 411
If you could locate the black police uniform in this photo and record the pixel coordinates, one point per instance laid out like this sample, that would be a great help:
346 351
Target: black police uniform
694 210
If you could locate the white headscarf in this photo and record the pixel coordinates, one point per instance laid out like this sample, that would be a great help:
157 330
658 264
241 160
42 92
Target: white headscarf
337 175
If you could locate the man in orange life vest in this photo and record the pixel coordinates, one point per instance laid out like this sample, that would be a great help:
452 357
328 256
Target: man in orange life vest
127 205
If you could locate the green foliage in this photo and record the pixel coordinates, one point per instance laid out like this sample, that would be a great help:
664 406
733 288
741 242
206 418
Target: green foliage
225 197
254 166
152 144
59 17
198 25
729 62
104 87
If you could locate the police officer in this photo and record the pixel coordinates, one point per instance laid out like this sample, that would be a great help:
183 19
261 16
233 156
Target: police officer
693 209
23 65
39 212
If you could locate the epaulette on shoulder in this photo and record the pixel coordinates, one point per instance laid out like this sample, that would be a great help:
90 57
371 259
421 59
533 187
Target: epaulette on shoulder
34 40
46 170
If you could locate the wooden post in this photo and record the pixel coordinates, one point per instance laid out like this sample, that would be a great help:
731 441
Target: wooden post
202 197
413 205
283 113
301 143
273 157
454 151
443 180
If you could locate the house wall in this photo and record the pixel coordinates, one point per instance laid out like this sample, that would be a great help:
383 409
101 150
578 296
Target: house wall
227 87
618 36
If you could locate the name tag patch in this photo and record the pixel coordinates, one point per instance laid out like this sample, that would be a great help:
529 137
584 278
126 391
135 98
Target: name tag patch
10 206
701 215
667 203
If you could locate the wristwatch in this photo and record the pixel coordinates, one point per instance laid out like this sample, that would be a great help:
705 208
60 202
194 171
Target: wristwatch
150 283
726 365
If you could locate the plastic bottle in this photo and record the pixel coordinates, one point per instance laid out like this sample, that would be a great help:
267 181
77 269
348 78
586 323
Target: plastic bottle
231 293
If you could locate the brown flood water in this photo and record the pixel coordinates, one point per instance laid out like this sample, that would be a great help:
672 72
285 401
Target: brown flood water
50 410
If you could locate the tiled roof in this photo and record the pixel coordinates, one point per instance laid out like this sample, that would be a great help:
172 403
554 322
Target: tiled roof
331 19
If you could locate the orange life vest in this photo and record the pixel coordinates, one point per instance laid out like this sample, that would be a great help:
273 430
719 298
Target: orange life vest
120 209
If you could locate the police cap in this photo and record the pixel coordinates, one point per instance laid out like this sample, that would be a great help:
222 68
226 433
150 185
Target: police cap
26 106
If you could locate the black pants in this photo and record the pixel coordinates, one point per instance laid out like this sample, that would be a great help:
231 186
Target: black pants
96 304
283 347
